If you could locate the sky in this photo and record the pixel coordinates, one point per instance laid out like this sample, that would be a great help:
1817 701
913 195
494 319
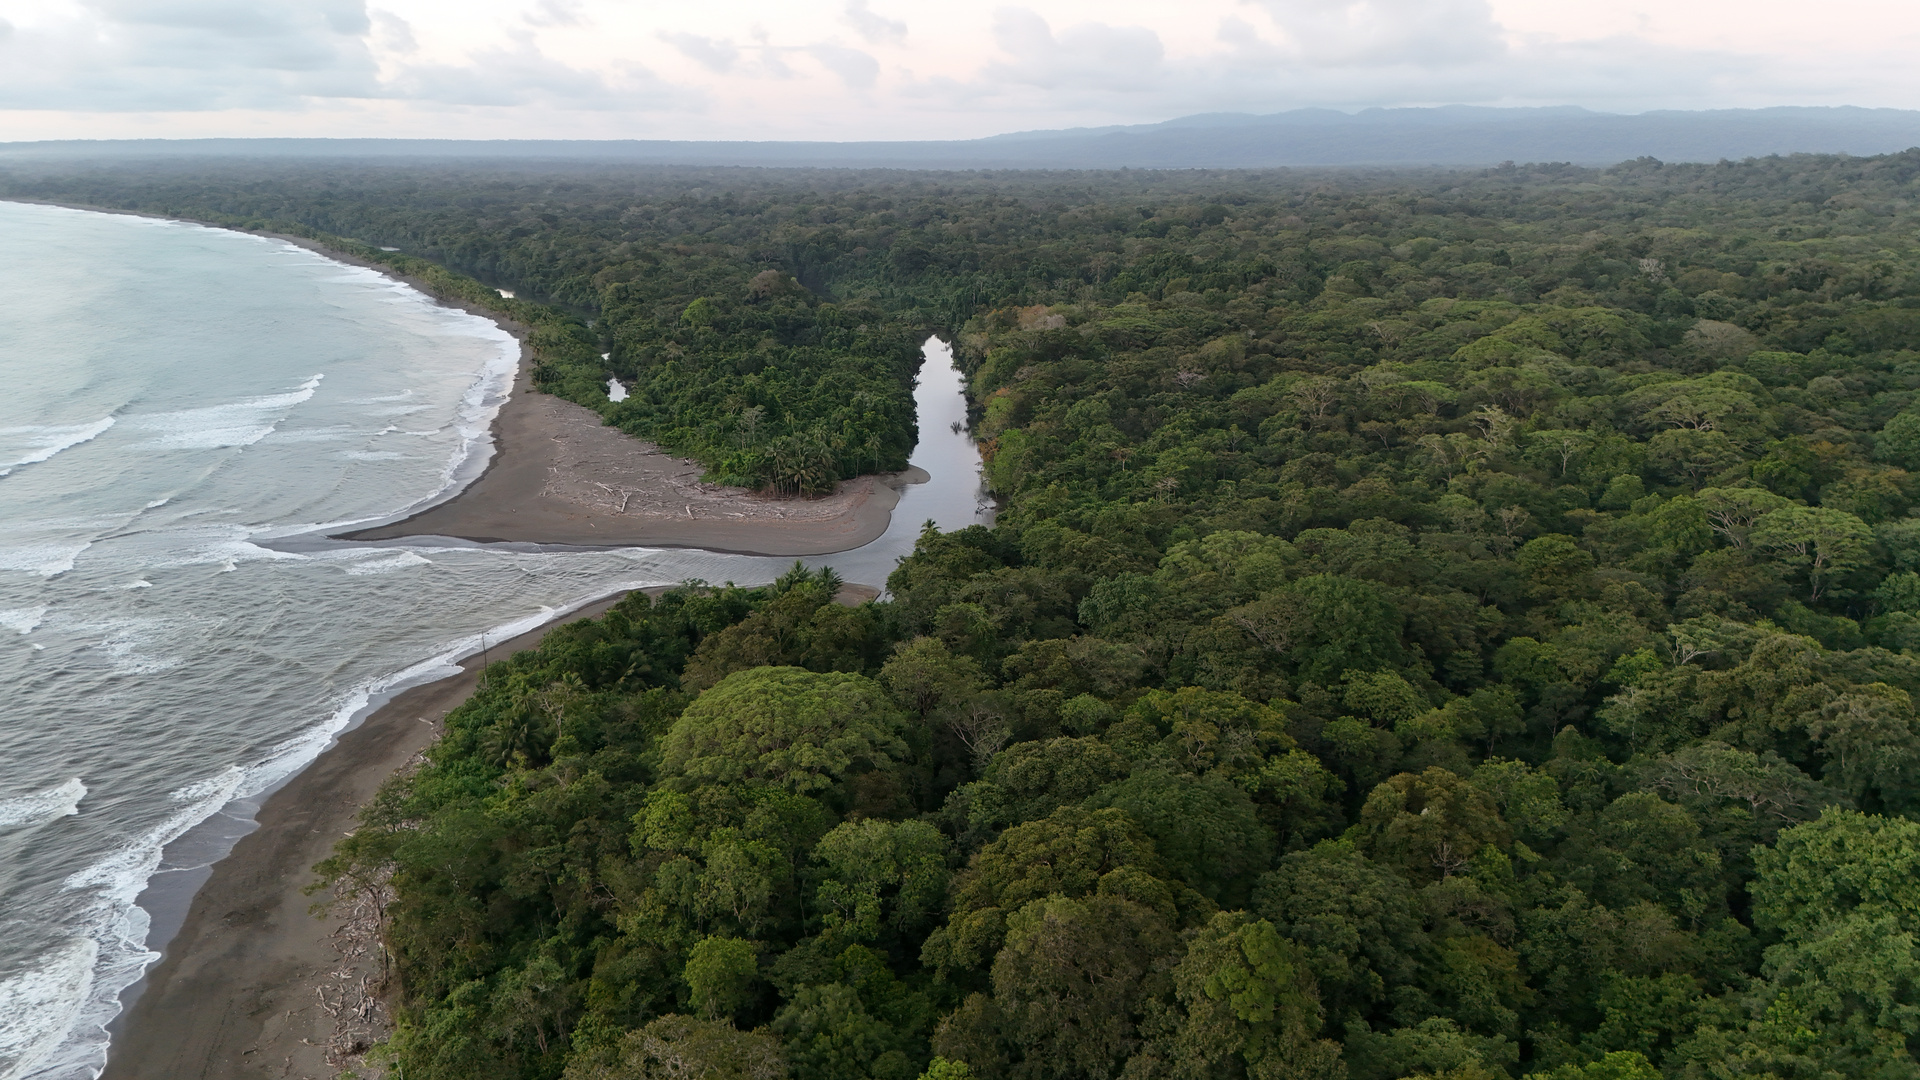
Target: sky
901 69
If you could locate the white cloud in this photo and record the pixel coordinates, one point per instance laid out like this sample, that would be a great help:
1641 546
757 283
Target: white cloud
1088 55
1422 33
876 28
557 13
855 68
714 54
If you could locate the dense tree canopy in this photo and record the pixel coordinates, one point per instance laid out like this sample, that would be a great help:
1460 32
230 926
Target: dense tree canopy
1437 625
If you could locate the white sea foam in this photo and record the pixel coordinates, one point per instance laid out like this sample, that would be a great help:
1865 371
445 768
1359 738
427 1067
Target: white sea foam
22 620
68 1039
48 558
32 445
238 423
227 546
389 564
62 801
371 455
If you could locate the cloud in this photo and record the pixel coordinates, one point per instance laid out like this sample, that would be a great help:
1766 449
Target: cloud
142 55
714 54
1423 33
1124 59
877 29
521 75
842 69
393 34
557 13
855 68
146 56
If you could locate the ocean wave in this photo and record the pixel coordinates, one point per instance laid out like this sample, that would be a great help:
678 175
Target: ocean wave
70 996
238 423
62 801
74 1005
42 1004
33 445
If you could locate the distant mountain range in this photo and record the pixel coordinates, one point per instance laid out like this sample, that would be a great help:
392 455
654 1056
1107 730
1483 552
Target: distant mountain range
1454 135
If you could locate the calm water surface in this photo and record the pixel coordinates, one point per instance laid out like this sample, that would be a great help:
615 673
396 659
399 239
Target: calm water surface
184 407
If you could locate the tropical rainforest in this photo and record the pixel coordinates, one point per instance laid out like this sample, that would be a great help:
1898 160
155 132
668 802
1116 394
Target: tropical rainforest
1437 625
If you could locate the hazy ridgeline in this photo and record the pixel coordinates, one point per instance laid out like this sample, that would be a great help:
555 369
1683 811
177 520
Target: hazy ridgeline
1450 624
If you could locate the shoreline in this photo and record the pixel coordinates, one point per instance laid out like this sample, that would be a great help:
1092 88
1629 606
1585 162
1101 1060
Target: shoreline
238 990
558 474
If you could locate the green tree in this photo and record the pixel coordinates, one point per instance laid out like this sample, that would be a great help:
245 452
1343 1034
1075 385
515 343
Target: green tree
1072 852
720 976
1250 1005
1824 543
1205 828
683 1048
1323 625
830 1035
784 726
880 874
1072 986
1429 826
1841 995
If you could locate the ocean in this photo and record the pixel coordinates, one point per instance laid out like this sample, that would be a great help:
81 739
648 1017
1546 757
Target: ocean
186 412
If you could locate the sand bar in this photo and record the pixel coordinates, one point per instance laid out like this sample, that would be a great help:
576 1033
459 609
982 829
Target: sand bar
559 475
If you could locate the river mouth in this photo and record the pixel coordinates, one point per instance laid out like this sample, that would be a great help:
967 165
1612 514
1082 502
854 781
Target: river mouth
176 639
951 498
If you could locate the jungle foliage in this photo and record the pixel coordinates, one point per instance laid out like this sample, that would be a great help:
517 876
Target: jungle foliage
1443 625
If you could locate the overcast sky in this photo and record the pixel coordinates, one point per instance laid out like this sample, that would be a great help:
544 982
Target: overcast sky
902 69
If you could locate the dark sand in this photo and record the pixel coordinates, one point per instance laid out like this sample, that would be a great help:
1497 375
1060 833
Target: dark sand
560 475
